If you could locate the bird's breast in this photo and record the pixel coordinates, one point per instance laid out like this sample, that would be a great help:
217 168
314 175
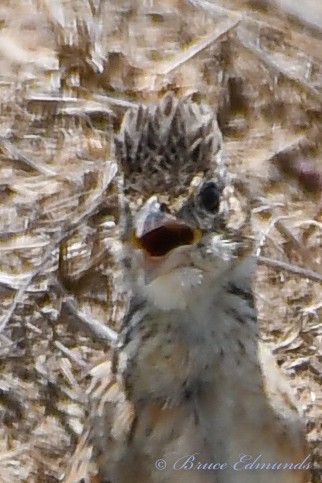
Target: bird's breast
175 290
173 353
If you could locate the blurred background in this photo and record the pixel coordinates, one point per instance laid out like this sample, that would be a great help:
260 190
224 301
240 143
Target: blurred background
69 70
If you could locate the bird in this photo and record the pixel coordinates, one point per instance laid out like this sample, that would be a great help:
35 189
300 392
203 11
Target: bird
190 392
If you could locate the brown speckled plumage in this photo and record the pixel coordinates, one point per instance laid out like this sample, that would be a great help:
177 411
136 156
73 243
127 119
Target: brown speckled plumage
162 146
189 375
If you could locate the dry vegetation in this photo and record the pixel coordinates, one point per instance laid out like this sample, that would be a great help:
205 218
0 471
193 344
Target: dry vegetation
68 71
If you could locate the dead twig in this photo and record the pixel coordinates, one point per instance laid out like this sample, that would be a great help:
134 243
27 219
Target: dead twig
87 323
301 271
222 29
31 163
307 12
65 233
271 62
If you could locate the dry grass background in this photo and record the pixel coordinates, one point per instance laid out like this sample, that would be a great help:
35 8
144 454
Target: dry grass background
68 71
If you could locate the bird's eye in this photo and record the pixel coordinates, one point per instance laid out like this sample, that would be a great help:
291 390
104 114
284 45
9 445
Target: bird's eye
209 196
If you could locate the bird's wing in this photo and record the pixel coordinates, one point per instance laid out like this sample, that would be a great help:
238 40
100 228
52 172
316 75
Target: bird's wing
109 424
282 400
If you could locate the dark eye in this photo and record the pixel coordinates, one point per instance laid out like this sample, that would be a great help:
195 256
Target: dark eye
209 196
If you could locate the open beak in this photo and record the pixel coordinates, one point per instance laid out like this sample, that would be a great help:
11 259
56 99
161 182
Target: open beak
157 232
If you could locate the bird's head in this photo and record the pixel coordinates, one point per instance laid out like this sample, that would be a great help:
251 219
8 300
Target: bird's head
187 224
